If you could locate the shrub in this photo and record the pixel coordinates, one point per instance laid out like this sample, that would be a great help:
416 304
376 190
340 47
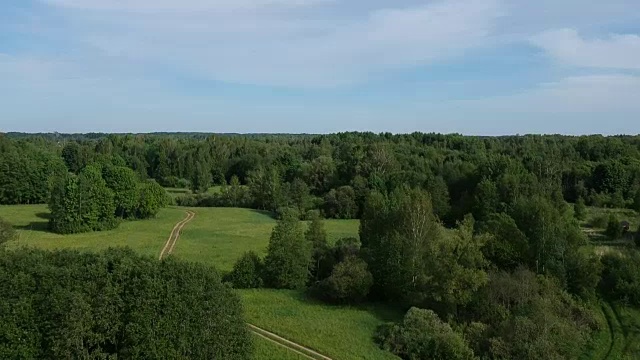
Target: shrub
637 237
350 282
621 277
614 228
6 232
116 304
599 222
580 209
246 273
422 335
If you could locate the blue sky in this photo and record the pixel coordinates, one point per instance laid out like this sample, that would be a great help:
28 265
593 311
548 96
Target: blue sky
486 67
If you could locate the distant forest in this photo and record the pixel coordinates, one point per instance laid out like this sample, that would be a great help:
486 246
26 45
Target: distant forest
334 173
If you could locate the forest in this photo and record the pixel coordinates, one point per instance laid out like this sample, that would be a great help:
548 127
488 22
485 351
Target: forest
479 241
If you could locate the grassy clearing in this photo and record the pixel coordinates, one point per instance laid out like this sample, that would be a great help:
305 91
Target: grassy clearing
266 350
338 332
219 236
619 337
146 237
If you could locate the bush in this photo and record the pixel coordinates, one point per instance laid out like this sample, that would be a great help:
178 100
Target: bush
621 277
422 335
350 282
599 222
637 237
246 272
614 228
7 232
116 304
580 209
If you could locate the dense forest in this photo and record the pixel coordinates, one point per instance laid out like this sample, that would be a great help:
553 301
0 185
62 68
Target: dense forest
476 238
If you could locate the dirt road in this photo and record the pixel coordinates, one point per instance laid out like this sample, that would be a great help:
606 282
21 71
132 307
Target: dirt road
276 339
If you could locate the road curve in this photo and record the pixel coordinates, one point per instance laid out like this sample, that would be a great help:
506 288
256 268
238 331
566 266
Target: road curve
175 235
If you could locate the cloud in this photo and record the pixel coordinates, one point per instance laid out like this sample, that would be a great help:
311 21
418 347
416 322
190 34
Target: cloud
614 52
154 6
280 50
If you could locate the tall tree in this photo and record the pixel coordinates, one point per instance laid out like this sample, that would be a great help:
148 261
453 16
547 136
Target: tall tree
316 235
200 179
286 265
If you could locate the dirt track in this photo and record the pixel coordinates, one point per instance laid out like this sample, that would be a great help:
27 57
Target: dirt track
175 235
278 340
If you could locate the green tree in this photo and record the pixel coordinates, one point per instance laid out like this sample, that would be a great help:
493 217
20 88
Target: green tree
266 188
486 200
151 198
422 335
316 235
341 203
299 195
7 232
349 282
124 184
200 179
637 237
507 247
614 228
286 265
580 209
247 272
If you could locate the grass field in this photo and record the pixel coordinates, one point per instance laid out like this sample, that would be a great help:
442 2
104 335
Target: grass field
619 337
219 236
146 237
266 350
335 331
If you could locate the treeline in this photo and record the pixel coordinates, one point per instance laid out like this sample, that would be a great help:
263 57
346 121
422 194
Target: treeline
518 284
335 173
116 304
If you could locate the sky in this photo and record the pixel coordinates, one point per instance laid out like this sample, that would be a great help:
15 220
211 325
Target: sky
477 67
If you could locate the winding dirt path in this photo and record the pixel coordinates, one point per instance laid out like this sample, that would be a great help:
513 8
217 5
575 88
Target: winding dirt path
267 335
175 235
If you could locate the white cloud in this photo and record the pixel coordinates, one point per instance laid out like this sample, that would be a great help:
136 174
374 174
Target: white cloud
269 49
567 46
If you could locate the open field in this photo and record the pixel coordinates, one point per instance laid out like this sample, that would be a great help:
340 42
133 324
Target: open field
619 337
337 331
146 236
266 350
219 236
597 233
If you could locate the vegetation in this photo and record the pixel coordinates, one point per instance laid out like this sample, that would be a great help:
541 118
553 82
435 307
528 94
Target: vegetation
115 304
247 272
7 232
286 265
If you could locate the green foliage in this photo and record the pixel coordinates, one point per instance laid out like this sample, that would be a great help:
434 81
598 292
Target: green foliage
507 247
266 189
410 257
599 222
636 237
7 232
247 272
530 317
151 198
286 265
200 179
614 228
81 203
115 304
124 184
422 335
583 274
316 235
349 282
621 277
580 209
341 203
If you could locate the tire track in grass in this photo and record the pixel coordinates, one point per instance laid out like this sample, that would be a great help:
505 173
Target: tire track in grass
274 338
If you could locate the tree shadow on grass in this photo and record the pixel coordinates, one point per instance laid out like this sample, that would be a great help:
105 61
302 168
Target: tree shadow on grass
42 226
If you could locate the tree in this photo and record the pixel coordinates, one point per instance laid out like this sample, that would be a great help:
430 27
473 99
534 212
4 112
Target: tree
124 184
266 188
82 203
7 232
614 228
286 265
73 157
637 237
422 335
580 209
298 193
486 200
341 203
507 247
636 201
200 179
349 282
316 235
151 198
247 272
